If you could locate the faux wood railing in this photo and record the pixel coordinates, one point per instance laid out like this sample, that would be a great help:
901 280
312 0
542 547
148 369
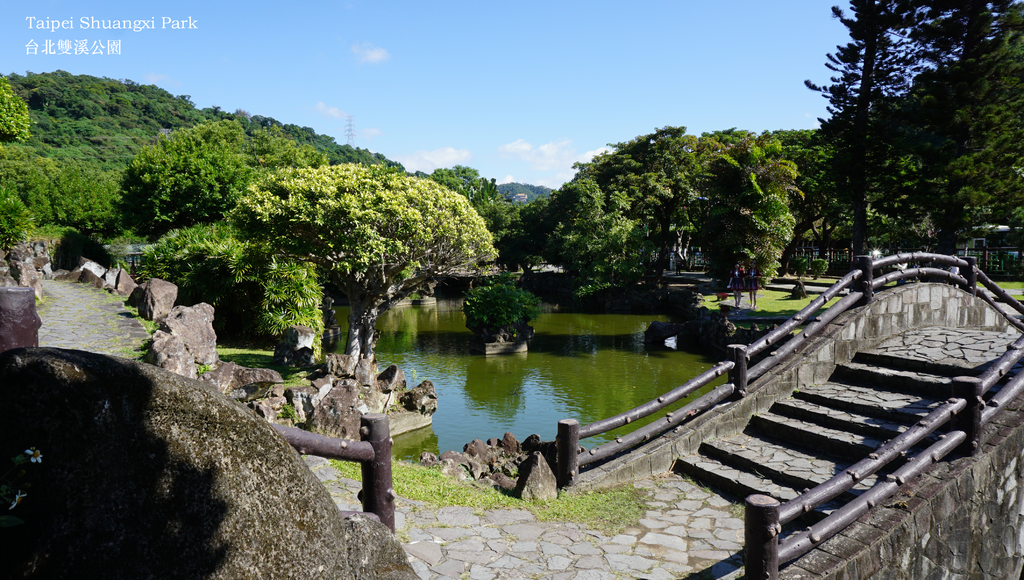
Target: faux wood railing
372 451
966 410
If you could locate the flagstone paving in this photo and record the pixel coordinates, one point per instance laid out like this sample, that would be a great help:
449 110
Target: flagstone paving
82 317
686 529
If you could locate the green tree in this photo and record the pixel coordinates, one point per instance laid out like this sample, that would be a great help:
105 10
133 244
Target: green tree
655 177
872 70
15 220
377 233
749 218
193 177
965 108
269 148
14 119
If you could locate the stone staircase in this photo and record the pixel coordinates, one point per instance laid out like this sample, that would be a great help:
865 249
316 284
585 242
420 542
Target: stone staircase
821 430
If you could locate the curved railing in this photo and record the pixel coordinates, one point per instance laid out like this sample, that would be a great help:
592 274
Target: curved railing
966 410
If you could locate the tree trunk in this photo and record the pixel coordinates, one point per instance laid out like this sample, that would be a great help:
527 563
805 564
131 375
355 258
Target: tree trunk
362 319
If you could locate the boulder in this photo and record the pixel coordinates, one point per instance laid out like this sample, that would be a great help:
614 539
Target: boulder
222 378
284 355
90 278
503 481
169 353
89 265
157 299
110 278
298 336
453 469
20 253
194 326
342 366
66 276
392 379
536 480
124 285
366 372
25 273
303 399
337 413
7 282
248 393
509 444
421 399
428 459
258 376
146 474
476 448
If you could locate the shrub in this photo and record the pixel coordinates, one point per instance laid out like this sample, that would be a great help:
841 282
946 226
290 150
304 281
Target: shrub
818 268
800 266
499 303
253 292
15 220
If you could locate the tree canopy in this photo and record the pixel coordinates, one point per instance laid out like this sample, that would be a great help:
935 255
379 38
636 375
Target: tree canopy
377 233
14 119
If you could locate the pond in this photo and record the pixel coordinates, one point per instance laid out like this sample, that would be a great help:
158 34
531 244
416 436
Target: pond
583 366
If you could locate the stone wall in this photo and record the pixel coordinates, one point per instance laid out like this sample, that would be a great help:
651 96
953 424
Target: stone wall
892 312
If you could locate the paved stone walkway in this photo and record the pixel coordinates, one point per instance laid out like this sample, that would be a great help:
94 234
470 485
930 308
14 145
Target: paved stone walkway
686 529
85 318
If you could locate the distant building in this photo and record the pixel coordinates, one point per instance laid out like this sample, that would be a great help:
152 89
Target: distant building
519 198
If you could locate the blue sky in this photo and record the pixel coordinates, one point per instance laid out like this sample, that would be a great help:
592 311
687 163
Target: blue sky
518 90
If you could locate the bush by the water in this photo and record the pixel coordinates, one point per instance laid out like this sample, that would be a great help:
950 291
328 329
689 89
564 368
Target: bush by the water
253 292
499 303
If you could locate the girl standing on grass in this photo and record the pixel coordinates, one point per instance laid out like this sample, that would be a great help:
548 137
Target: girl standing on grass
753 283
736 282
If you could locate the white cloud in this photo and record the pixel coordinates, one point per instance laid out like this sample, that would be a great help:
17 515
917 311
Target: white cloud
428 161
154 78
507 179
369 134
558 156
367 52
329 111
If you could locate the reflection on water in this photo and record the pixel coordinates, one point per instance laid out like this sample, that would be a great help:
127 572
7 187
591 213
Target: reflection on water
582 366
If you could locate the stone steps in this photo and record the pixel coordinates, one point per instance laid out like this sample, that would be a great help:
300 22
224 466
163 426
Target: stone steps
824 429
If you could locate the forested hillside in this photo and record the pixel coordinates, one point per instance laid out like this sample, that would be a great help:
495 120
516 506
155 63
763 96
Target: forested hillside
510 190
108 121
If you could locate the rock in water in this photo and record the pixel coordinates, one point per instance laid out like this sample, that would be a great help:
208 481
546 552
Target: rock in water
146 474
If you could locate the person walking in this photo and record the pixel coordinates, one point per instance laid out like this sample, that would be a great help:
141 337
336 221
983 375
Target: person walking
753 283
736 282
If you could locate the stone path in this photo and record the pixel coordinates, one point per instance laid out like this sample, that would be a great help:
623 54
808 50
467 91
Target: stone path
85 318
686 529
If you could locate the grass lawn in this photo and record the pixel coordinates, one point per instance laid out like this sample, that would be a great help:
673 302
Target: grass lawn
608 511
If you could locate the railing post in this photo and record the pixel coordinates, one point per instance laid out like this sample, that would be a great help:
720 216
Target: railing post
738 373
761 537
19 321
568 452
969 420
972 275
866 265
378 489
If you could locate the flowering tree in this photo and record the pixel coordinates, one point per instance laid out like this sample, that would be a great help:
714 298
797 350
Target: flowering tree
376 232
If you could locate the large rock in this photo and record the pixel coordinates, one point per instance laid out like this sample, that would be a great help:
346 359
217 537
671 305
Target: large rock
536 480
392 379
421 399
169 353
222 378
194 325
342 366
25 273
158 298
124 285
146 474
337 414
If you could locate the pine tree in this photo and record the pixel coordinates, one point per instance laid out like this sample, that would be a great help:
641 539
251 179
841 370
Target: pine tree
967 112
871 72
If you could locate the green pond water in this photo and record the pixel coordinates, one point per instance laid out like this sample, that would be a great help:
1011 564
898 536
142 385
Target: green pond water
581 366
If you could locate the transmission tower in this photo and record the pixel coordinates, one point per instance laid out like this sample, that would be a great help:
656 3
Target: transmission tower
350 131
